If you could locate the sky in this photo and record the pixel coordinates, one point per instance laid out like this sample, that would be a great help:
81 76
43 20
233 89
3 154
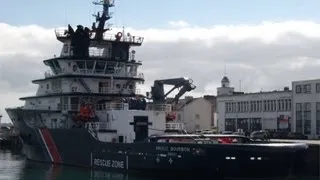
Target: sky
265 44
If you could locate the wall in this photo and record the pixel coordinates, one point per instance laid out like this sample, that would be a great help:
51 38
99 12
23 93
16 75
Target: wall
197 115
305 92
268 116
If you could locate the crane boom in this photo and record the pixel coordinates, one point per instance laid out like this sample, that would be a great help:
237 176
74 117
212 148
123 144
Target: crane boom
157 90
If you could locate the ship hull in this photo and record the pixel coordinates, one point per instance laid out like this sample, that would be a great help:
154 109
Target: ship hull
78 147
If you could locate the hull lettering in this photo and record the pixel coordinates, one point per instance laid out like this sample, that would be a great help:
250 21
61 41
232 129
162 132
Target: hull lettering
109 163
174 149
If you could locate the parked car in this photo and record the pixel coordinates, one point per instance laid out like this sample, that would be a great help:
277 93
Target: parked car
260 135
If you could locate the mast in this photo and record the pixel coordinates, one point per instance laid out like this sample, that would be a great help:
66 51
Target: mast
106 5
103 18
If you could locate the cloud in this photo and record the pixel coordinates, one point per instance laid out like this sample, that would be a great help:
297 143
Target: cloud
179 24
264 56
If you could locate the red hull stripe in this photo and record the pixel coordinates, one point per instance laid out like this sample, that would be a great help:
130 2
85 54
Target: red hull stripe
51 146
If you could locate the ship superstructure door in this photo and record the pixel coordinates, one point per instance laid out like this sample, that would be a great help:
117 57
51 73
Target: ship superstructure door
141 127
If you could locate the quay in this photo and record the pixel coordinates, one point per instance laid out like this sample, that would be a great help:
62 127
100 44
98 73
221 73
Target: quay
313 156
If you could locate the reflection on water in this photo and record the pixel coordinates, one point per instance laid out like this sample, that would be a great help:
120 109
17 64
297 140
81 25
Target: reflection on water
15 167
10 165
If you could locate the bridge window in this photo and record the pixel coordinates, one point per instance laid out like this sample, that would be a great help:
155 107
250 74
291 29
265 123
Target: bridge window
100 66
89 64
80 64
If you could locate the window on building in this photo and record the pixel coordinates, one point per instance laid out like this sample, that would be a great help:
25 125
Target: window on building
298 117
307 88
307 118
226 107
234 107
289 104
318 87
251 106
279 105
298 89
318 117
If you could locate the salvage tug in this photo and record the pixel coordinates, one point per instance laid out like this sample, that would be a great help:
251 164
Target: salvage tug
88 112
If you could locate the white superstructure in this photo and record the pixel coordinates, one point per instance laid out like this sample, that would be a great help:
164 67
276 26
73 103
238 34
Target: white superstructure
93 84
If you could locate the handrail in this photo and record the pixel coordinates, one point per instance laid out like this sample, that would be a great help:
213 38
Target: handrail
121 106
74 107
115 90
48 74
61 33
98 107
110 106
159 107
174 126
96 126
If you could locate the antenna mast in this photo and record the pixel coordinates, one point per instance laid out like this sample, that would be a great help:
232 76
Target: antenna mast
101 20
106 5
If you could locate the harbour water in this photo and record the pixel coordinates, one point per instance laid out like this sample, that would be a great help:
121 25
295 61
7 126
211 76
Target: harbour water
15 167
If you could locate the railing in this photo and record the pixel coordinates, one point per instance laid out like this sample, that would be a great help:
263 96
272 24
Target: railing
38 107
115 90
110 106
48 74
124 106
159 107
61 33
98 107
98 126
95 72
174 126
67 107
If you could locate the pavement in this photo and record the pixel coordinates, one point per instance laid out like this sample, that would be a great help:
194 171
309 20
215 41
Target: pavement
317 142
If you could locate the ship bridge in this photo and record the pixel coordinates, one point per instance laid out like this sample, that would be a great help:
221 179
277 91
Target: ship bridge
63 36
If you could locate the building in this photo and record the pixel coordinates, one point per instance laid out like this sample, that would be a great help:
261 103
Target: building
306 107
253 111
196 113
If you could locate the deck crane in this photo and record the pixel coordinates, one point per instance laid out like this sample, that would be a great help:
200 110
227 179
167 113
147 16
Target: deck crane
159 96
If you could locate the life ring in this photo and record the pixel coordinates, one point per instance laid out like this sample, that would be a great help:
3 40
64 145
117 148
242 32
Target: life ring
119 35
